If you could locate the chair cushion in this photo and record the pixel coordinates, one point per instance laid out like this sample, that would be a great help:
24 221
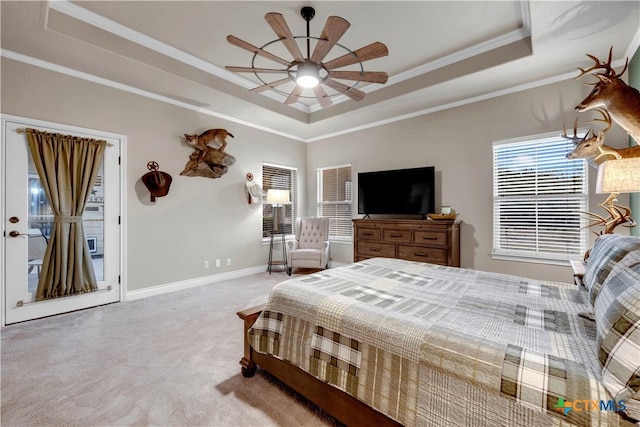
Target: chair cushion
307 254
312 233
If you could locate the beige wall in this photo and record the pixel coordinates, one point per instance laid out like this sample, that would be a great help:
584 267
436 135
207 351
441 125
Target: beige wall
201 218
458 142
209 218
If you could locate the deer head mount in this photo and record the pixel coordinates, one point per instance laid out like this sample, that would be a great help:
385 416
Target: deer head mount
611 93
592 148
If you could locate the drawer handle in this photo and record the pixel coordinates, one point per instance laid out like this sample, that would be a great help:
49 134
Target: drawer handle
429 238
396 235
375 250
421 255
367 234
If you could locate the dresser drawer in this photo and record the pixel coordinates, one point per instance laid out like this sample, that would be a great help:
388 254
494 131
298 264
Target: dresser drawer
403 236
430 237
423 254
436 242
374 249
369 233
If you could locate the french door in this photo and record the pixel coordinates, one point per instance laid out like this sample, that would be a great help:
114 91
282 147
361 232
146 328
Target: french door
28 219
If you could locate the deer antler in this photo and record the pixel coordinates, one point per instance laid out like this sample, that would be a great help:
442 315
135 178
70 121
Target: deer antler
606 118
609 71
575 138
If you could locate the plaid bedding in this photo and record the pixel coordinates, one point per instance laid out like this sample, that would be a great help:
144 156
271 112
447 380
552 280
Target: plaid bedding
434 345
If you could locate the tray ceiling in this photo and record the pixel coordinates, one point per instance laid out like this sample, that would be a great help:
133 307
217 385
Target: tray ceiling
441 54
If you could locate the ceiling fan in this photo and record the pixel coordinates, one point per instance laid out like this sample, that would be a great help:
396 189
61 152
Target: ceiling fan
310 71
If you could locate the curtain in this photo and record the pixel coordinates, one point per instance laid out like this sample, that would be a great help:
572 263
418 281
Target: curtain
67 167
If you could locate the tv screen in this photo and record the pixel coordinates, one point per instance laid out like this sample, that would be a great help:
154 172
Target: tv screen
397 192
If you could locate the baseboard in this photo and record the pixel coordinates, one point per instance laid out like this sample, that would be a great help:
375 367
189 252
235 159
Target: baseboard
191 283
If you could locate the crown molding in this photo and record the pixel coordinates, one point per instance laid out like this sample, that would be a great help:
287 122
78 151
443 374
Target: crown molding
68 8
126 88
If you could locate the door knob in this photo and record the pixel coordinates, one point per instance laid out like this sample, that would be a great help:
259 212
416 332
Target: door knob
15 233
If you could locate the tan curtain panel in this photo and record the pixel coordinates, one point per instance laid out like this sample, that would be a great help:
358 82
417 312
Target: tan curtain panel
67 167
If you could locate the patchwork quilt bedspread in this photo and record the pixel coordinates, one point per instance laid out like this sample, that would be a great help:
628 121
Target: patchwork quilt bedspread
432 345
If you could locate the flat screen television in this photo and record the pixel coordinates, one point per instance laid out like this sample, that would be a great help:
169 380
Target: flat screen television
397 192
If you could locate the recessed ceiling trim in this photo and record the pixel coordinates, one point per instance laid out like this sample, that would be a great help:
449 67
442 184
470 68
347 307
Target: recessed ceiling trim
126 88
68 8
454 104
475 50
89 77
99 21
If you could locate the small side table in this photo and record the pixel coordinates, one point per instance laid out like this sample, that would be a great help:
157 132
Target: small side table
283 261
578 271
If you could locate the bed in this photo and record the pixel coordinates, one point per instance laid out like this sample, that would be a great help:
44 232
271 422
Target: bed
392 342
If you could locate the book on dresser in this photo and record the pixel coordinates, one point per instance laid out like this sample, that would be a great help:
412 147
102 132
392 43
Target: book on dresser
433 241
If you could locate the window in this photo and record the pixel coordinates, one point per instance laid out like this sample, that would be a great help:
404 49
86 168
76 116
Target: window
538 199
334 200
279 178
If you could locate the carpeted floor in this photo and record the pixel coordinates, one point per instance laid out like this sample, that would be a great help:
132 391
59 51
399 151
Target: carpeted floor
169 360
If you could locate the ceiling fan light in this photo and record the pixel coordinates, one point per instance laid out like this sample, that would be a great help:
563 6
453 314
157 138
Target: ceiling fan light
307 81
307 75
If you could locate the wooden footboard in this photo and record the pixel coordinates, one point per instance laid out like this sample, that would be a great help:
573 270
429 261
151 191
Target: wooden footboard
337 403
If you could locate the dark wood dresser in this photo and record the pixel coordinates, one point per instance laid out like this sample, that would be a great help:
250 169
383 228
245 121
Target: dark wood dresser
434 241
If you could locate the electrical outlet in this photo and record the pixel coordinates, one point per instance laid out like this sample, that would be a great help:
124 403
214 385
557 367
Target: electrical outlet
217 263
205 265
228 262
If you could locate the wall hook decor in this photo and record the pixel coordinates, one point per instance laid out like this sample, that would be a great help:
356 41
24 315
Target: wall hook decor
157 182
253 190
208 158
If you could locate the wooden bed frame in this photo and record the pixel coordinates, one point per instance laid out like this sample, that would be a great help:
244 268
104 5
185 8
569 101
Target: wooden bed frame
342 406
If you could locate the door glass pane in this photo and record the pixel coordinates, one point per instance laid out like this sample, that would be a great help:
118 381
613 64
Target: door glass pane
41 223
93 222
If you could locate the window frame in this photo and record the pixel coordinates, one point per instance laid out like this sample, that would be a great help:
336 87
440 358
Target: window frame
290 210
337 233
576 199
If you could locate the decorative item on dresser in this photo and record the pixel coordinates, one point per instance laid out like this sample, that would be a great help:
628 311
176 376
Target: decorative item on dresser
436 242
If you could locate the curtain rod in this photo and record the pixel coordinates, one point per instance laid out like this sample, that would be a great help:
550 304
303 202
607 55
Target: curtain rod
23 130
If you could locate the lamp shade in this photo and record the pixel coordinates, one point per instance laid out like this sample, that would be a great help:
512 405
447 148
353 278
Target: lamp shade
619 176
277 197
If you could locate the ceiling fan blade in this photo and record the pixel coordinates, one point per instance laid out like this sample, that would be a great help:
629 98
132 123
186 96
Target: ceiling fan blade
351 92
322 96
255 70
256 50
282 30
270 85
294 95
365 76
334 28
372 51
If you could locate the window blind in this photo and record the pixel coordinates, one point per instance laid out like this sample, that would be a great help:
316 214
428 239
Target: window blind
334 200
279 178
539 198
